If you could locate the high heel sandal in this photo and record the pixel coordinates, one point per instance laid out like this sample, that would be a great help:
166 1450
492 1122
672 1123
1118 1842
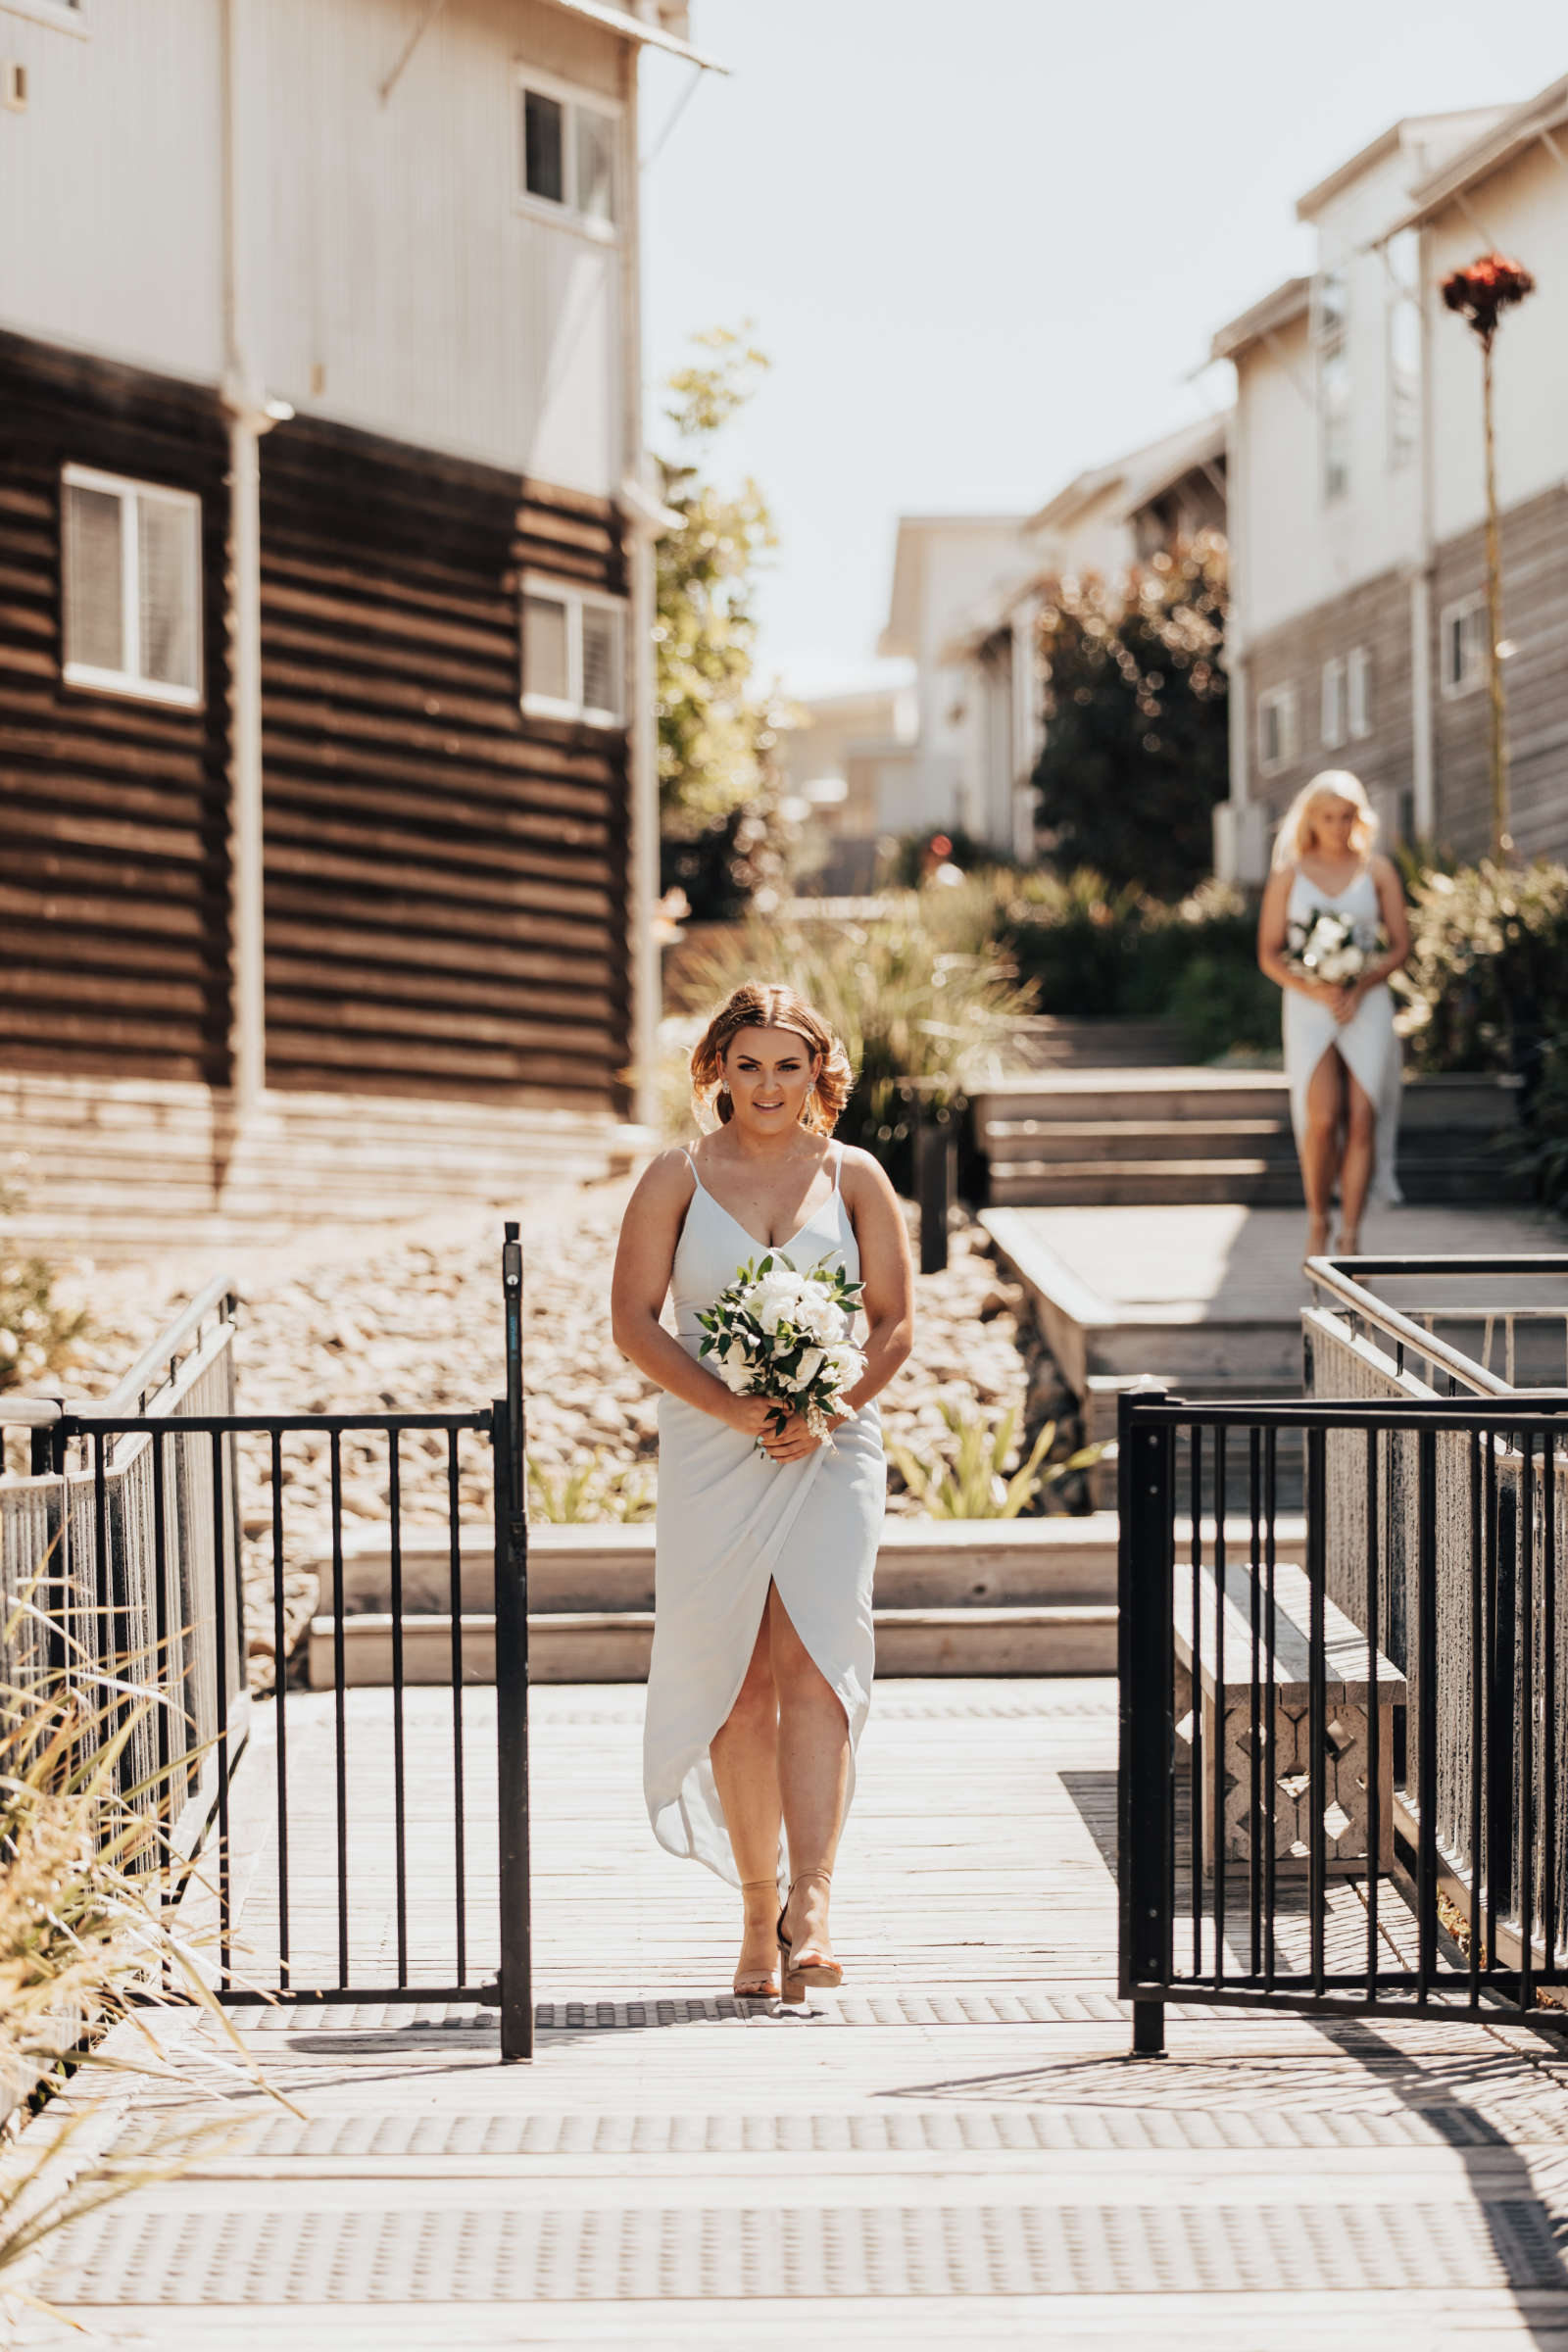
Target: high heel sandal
757 1985
796 1977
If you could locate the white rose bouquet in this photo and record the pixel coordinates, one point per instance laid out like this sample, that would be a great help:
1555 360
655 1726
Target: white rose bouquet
1327 948
782 1334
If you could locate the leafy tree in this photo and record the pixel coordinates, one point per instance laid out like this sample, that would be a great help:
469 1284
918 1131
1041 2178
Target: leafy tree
1136 751
718 728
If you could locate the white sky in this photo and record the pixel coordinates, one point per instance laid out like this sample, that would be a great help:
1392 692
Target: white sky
985 242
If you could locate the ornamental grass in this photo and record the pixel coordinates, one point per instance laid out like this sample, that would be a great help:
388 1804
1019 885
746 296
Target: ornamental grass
89 1939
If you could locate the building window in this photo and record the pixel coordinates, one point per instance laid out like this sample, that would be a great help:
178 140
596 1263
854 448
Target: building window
1359 692
573 654
1331 727
568 158
132 586
67 16
1404 345
1275 729
1463 633
1334 382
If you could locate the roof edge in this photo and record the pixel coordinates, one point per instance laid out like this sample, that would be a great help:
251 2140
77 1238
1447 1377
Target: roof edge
1276 310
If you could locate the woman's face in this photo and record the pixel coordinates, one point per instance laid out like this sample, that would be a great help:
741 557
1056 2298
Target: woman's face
1333 822
770 1073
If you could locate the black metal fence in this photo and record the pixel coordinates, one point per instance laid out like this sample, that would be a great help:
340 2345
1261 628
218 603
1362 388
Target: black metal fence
1321 1806
347 1845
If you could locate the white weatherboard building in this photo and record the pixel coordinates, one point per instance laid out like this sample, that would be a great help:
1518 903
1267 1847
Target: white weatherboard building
326 657
966 595
1357 630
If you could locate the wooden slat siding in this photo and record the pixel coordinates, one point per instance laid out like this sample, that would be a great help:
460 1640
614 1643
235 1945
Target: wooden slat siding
114 812
1535 616
1376 614
445 879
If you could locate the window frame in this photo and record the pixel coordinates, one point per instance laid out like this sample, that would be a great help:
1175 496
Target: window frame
574 98
1401 305
69 17
1331 345
1359 692
575 599
1334 672
1280 698
1461 608
86 676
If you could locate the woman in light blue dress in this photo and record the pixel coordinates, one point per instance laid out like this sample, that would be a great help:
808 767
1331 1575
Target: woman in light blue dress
763 1633
1342 1050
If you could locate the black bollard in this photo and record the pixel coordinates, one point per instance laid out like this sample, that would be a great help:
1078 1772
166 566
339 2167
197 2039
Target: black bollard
933 1188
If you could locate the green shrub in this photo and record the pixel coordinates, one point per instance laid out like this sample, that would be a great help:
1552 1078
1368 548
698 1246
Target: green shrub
964 1480
36 1334
1487 975
1546 1153
587 1491
1091 950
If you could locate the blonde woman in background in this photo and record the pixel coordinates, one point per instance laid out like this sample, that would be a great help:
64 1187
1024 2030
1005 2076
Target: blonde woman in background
762 1646
1341 1052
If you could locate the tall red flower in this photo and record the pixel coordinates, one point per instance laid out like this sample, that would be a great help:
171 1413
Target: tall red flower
1486 289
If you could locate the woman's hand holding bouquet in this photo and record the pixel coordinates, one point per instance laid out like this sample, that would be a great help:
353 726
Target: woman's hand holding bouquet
779 1341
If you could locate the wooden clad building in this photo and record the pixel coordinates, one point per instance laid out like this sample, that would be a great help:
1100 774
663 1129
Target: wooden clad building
446 876
114 807
327 801
1357 631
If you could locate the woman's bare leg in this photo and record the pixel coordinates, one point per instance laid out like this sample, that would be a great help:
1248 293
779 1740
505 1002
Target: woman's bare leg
1355 1169
744 1755
814 1773
1321 1147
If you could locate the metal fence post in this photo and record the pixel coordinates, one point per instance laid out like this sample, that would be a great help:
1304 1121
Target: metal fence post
512 1674
934 1154
1146 1711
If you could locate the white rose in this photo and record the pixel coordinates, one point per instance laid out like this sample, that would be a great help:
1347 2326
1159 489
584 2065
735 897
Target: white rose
775 1300
811 1364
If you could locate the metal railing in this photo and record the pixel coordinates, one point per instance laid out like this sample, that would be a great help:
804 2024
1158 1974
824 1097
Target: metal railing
1363 1345
119 1561
346 1864
1426 1330
1267 1721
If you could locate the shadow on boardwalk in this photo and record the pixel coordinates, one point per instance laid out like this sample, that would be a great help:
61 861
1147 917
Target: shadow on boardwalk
956 2140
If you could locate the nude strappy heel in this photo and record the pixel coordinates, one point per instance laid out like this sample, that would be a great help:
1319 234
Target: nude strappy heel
757 1985
825 1973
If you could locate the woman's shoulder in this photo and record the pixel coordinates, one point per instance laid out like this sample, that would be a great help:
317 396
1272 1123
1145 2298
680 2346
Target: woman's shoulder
1381 866
861 1171
668 1175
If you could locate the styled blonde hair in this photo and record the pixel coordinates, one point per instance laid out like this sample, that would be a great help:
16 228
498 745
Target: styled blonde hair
756 1004
1297 831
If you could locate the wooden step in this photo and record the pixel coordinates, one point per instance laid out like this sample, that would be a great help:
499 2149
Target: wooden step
922 1564
615 1646
1006 1142
1143 1183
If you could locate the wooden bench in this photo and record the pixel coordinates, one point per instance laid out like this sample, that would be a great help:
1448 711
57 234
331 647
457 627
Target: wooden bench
1285 1726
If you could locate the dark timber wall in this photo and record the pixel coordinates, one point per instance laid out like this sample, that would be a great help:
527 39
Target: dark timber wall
1375 614
1534 549
446 881
114 812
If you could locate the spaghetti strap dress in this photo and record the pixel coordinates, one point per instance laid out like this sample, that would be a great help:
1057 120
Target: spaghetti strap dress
731 1521
1369 1044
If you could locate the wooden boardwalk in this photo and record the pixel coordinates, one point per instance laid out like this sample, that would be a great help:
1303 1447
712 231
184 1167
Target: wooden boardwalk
958 2141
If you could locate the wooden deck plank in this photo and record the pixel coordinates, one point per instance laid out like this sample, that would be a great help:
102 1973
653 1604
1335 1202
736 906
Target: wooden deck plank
960 2127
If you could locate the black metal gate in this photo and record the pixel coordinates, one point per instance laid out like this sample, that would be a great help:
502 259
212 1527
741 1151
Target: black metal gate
1342 1739
344 1844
